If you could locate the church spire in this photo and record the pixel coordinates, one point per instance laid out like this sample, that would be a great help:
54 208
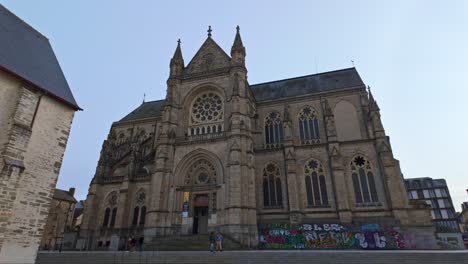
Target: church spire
177 61
238 49
373 106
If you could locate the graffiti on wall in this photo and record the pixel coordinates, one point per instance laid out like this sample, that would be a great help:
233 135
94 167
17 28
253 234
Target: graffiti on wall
323 236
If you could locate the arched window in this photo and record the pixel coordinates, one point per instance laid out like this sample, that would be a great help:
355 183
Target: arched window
142 215
206 114
363 180
316 186
114 215
309 126
105 223
272 194
273 130
136 212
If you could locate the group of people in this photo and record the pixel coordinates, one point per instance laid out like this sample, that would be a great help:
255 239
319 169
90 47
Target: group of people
216 242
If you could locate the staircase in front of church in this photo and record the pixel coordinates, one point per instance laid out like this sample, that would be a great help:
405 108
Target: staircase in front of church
188 242
257 257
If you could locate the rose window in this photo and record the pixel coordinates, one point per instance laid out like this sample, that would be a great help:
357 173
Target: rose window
207 114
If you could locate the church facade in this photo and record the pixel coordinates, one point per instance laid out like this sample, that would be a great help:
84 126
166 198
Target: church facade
255 162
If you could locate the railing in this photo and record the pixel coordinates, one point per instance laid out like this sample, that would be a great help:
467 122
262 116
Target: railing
202 137
273 145
310 141
112 179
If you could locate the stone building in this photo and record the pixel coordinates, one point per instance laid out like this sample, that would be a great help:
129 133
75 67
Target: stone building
435 193
268 165
60 219
36 112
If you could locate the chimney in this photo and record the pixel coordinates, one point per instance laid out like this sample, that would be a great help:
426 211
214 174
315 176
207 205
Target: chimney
71 191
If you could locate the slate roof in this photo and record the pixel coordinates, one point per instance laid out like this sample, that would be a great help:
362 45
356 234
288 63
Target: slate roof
145 110
27 54
63 195
321 82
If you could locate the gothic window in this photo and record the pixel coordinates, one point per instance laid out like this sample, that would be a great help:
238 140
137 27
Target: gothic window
136 212
207 114
272 194
201 172
105 223
309 126
316 187
273 130
114 215
142 215
363 180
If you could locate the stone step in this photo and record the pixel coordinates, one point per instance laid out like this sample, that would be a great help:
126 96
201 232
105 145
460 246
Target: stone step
189 242
257 257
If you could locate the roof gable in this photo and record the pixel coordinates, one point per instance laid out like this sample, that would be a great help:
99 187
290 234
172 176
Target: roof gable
209 57
27 54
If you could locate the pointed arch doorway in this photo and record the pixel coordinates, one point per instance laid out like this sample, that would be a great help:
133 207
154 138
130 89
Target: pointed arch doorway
199 177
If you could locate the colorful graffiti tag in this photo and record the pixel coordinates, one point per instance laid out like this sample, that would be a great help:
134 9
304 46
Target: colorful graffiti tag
324 236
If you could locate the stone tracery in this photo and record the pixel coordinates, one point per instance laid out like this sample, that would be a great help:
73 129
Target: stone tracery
201 172
207 114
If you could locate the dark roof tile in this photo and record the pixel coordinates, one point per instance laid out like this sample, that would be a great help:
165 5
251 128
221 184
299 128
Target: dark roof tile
145 110
63 195
27 54
321 82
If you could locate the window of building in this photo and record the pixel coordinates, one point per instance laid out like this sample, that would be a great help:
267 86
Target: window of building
450 213
207 114
444 213
273 130
363 180
114 215
437 214
440 193
308 125
316 187
410 195
443 192
272 193
426 193
143 215
105 223
136 212
431 193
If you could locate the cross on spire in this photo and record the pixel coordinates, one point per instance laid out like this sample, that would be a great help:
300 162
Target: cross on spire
209 31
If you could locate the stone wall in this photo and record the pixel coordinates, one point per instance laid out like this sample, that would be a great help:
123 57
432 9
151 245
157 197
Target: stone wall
59 221
37 129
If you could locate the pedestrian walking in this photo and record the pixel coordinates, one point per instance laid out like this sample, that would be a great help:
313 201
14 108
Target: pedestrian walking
212 242
219 241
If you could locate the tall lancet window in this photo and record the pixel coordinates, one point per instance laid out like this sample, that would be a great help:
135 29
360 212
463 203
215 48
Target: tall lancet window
363 180
316 187
207 114
273 130
309 126
272 193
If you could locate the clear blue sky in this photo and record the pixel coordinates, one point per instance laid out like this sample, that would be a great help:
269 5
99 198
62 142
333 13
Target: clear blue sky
414 54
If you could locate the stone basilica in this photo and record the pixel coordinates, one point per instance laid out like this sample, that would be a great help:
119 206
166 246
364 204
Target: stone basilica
222 154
